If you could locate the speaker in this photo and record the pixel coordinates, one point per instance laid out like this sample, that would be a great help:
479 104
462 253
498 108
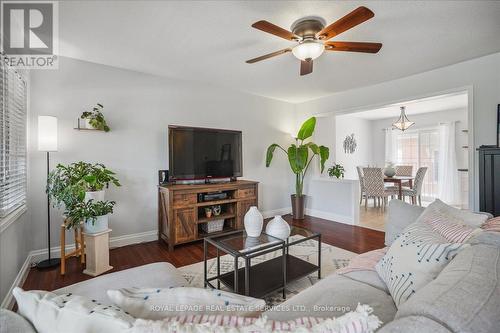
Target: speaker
162 177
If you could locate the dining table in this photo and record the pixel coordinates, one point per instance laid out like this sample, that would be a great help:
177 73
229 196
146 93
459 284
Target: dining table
398 181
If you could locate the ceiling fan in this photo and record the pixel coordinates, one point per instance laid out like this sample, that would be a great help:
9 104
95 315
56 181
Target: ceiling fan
312 37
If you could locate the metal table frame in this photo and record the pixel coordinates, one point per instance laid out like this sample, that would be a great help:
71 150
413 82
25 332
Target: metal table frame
248 255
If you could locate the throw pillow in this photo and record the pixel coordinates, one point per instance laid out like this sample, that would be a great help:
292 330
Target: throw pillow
415 259
52 313
457 226
148 303
458 216
492 224
363 262
360 321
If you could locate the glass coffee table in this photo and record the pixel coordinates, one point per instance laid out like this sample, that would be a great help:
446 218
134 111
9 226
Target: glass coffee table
264 278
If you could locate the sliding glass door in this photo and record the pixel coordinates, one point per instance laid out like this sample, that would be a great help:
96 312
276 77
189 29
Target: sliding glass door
420 148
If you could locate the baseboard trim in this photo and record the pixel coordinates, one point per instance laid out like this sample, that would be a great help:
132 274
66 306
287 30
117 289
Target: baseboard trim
118 241
330 216
274 212
8 301
141 237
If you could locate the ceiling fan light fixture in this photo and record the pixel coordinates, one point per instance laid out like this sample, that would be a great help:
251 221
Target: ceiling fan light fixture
308 50
403 123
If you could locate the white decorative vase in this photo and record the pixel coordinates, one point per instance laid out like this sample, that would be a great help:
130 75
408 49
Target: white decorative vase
278 228
390 172
94 195
100 224
253 222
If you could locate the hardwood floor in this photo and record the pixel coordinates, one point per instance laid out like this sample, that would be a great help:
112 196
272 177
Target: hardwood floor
351 238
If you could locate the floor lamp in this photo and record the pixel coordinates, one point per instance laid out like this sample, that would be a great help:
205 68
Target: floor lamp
47 142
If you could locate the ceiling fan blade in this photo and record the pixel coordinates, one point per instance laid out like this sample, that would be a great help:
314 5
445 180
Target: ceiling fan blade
357 16
306 67
353 46
275 30
267 56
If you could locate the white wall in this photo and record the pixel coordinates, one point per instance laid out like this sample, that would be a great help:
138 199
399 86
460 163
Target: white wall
480 74
15 244
138 108
362 129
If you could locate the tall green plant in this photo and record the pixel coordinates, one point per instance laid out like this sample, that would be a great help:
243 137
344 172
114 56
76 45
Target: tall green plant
298 154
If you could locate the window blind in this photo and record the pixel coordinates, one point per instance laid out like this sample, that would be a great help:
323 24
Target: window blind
13 159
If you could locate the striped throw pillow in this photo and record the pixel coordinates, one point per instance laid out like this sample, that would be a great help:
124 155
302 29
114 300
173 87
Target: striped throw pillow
359 321
492 224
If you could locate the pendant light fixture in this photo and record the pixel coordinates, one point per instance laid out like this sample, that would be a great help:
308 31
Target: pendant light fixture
403 123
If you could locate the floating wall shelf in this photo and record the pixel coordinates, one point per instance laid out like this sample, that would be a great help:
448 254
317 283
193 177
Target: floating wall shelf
79 128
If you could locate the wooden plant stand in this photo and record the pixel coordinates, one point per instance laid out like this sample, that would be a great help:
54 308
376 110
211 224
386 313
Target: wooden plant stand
97 250
79 246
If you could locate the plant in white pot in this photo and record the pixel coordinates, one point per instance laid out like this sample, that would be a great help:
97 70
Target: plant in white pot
300 160
94 214
95 119
79 181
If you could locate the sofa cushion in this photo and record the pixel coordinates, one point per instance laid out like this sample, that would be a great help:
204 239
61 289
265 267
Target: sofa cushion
486 237
465 297
156 275
334 296
413 324
399 216
11 322
369 277
158 303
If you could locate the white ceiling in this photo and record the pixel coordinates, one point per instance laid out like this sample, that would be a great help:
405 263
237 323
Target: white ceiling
425 105
209 41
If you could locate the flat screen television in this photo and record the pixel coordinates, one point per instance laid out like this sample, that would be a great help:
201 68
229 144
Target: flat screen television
203 153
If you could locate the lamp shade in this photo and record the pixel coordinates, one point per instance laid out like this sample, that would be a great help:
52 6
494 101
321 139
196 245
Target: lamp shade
47 133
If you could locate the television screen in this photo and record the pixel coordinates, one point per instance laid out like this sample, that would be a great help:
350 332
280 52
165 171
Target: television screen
198 153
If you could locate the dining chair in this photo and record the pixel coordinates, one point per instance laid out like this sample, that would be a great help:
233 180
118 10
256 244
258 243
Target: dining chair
361 186
416 191
405 171
373 183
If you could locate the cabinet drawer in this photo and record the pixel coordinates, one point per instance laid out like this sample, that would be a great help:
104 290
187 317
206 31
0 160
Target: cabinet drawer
246 192
184 199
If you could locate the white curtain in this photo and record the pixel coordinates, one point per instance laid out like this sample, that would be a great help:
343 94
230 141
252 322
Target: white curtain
448 180
391 149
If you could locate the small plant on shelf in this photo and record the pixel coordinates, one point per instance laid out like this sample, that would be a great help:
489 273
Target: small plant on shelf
336 170
95 118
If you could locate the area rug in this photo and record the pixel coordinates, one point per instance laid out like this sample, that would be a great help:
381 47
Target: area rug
332 258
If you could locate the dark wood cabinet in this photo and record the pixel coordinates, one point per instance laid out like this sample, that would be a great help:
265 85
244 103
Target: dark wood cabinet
489 180
181 209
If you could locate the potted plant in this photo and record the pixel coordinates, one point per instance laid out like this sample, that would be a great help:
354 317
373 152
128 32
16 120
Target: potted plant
94 214
336 170
95 118
95 178
300 159
79 181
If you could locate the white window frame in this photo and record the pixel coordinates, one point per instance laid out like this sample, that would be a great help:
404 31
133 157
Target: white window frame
13 215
